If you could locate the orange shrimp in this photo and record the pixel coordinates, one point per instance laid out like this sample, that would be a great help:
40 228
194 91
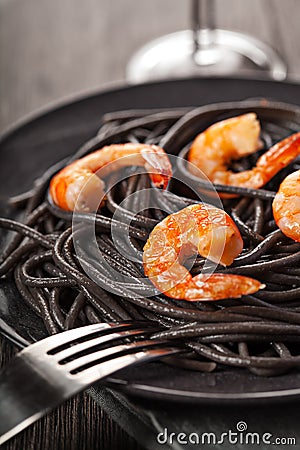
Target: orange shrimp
286 206
202 229
231 139
76 186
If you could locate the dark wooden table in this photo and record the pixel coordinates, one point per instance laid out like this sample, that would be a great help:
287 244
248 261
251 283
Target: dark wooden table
51 50
78 424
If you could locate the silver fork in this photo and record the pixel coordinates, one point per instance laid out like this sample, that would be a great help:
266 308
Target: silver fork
50 371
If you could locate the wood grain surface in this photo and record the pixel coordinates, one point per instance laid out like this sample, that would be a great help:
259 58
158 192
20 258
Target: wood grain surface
55 49
78 424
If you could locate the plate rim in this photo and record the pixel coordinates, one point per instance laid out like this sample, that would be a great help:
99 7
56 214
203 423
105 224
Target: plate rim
201 397
141 389
115 87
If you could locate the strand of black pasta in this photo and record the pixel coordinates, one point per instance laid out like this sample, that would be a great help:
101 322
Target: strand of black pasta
96 264
281 296
253 301
78 276
294 271
25 292
127 289
107 246
264 362
167 204
98 220
278 314
259 216
36 194
136 219
26 231
129 188
222 348
202 185
140 200
74 311
16 256
103 277
156 134
235 190
107 301
245 229
55 307
127 216
282 279
184 313
121 131
32 281
281 349
30 220
289 248
113 271
35 300
113 260
132 310
191 364
176 199
51 269
131 114
198 119
265 265
45 311
261 249
244 352
68 253
91 315
165 321
192 330
249 337
20 200
41 186
240 213
105 312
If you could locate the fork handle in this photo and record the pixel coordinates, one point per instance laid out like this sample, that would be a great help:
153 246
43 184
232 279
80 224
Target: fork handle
8 332
25 396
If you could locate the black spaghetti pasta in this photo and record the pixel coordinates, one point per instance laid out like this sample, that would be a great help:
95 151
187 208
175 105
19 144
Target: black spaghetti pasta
69 286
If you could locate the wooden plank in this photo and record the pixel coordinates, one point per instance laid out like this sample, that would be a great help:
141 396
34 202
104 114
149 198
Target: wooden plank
50 50
76 425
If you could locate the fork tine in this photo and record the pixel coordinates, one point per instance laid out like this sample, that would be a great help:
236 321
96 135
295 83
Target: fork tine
19 403
109 353
103 369
88 345
69 337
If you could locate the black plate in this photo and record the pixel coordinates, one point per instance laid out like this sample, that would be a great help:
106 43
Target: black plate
30 148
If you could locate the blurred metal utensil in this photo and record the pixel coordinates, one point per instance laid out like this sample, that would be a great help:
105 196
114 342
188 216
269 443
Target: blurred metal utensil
50 371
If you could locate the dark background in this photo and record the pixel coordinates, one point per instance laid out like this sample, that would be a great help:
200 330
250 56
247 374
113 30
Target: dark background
53 49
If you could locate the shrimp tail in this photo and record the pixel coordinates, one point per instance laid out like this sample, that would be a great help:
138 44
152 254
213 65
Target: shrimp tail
286 206
159 168
216 287
278 156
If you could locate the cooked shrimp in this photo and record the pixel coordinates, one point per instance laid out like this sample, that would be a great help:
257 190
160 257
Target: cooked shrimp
76 186
213 149
202 229
286 206
231 139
